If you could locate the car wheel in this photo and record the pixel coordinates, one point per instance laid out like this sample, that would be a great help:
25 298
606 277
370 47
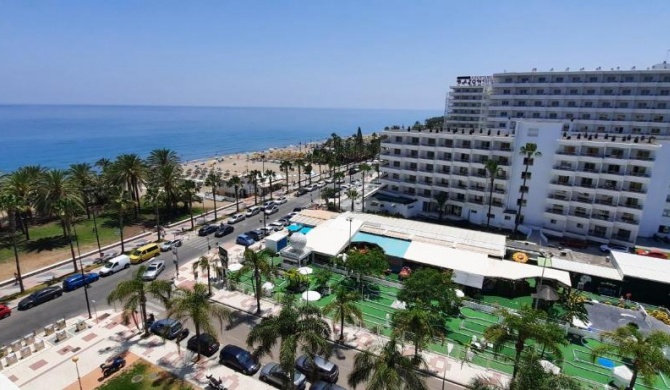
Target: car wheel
6 315
126 266
263 378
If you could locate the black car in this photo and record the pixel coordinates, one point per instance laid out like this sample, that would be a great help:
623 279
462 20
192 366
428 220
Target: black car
239 359
301 191
207 230
223 230
321 385
170 329
208 344
257 234
325 370
40 296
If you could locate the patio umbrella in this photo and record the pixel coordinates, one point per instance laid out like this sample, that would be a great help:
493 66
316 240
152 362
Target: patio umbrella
235 267
547 293
622 375
268 286
460 294
311 296
550 367
305 270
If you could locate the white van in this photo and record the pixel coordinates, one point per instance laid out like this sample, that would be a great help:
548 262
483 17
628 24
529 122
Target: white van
116 264
253 210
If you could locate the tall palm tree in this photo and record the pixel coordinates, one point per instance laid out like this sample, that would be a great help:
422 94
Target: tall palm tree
365 168
286 166
574 305
308 171
494 169
645 352
300 164
387 370
236 182
194 304
134 292
518 328
422 326
271 175
83 176
21 184
441 198
258 263
528 151
213 180
103 163
120 202
129 170
294 327
11 205
189 194
155 197
338 176
344 309
352 194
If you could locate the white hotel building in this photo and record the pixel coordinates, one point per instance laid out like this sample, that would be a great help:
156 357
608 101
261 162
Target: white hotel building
604 172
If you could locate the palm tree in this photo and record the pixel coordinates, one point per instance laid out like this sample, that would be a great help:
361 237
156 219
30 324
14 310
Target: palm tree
493 168
236 182
258 264
204 263
189 194
103 163
252 178
271 175
573 304
344 309
213 180
388 370
82 174
338 176
21 184
308 171
299 163
527 324
133 293
528 152
421 324
129 170
352 194
11 205
327 193
155 197
120 203
644 351
441 198
286 166
365 168
194 305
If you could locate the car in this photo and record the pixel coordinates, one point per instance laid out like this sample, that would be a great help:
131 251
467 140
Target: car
325 369
655 254
276 226
224 230
39 297
293 214
271 210
251 211
208 344
296 210
321 385
5 311
272 373
256 235
115 264
169 328
168 245
320 184
239 359
153 270
102 259
329 181
301 191
281 200
340 181
607 248
269 203
244 240
236 218
344 187
207 230
284 220
78 280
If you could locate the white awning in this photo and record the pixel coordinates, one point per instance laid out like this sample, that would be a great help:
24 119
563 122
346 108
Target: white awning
586 269
332 236
642 267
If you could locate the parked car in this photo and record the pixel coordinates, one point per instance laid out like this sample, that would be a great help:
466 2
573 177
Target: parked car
145 252
208 344
272 373
5 311
271 210
269 203
239 359
325 369
281 200
301 191
153 270
276 226
329 180
169 328
236 218
296 210
321 385
207 230
285 220
253 210
75 281
320 184
311 188
116 264
256 235
168 245
39 297
614 247
105 256
223 230
244 240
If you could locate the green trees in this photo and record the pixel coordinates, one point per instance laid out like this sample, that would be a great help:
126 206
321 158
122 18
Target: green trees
236 182
271 175
10 204
195 305
188 195
300 164
372 262
493 168
133 293
518 328
387 370
286 166
431 290
365 169
83 176
573 304
344 309
259 265
204 263
294 327
528 151
644 351
252 178
120 202
129 171
165 169
214 180
420 324
441 198
352 194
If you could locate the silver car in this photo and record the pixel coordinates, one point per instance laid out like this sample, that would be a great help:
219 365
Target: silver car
168 245
153 270
272 373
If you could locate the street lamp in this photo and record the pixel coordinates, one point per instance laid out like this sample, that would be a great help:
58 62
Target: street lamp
539 286
86 286
350 220
75 359
175 260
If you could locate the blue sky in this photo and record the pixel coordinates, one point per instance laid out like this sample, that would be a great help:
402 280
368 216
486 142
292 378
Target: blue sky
354 54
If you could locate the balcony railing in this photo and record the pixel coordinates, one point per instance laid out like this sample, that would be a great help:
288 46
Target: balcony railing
605 202
602 217
555 211
637 190
630 206
631 221
597 234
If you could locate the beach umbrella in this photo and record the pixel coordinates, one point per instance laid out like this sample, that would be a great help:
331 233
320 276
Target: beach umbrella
459 293
305 270
550 367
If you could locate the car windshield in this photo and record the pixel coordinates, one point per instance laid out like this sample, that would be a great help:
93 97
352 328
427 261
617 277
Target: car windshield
245 357
152 267
136 252
109 264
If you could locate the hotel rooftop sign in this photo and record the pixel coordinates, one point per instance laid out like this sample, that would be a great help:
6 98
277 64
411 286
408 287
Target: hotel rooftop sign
474 80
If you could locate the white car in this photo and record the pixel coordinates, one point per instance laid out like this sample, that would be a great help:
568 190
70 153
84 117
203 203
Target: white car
276 226
168 245
271 210
154 269
268 204
236 218
321 184
281 200
614 247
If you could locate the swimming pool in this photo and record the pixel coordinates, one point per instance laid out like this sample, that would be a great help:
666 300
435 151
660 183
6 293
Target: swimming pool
296 227
391 246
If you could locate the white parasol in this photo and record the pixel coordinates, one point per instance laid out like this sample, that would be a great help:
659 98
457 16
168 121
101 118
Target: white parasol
550 367
305 270
311 296
622 375
460 294
235 267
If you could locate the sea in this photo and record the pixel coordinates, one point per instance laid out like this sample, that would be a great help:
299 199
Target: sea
57 136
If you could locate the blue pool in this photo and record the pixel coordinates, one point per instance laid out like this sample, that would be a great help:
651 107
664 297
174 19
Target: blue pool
296 227
392 246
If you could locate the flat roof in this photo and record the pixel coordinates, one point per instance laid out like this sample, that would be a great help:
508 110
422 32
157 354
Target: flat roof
642 267
332 236
611 273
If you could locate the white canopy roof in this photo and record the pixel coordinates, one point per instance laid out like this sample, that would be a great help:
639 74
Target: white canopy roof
642 267
611 273
478 263
332 236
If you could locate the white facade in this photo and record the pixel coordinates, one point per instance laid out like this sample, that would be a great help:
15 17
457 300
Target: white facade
604 173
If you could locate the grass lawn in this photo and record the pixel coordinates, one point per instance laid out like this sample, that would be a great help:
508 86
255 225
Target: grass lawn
144 376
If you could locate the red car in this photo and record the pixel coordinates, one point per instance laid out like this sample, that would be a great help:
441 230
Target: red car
5 311
658 255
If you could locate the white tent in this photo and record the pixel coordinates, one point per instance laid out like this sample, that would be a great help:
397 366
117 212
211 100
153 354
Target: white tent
622 375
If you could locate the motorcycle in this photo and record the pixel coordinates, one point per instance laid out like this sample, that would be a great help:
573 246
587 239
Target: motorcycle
216 384
112 365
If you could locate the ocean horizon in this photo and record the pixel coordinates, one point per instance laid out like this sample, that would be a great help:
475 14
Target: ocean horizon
56 136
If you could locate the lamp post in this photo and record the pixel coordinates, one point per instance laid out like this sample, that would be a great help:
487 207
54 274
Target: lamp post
539 286
75 359
350 220
86 286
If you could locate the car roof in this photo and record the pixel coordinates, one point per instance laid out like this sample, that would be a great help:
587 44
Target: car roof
166 322
320 362
156 262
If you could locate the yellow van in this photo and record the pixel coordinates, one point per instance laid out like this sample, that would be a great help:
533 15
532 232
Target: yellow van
144 253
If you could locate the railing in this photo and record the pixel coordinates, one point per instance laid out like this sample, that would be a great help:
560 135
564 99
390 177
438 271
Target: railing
630 206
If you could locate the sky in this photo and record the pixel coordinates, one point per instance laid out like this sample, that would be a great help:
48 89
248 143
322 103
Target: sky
330 54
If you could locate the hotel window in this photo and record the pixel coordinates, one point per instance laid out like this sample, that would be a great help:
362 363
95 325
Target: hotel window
586 116
666 213
504 103
396 151
572 104
526 175
588 104
593 79
629 79
523 92
528 161
508 80
427 193
574 91
503 113
576 79
647 79
665 92
553 115
625 92
608 92
536 115
396 164
398 139
542 79
538 103
590 91
540 91
623 105
554 104
658 118
645 92
642 105
559 79
506 91
557 92
395 176
611 79
662 105
569 115
655 131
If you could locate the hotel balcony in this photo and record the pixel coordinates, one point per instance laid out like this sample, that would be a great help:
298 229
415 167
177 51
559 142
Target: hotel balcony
628 221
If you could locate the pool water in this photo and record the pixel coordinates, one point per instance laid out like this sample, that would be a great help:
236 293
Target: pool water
391 246
296 227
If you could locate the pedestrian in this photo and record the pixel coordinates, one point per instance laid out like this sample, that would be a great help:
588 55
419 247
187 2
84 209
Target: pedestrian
16 278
